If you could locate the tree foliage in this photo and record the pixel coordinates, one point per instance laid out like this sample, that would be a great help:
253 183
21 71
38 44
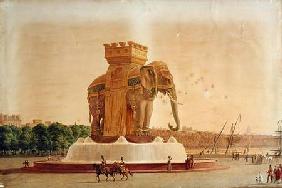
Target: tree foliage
40 139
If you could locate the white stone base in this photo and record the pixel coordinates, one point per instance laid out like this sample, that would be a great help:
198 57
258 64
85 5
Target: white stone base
88 151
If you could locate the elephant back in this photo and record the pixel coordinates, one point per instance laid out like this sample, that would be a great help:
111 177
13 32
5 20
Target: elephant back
98 85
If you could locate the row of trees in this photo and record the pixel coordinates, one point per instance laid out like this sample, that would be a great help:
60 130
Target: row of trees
201 139
41 139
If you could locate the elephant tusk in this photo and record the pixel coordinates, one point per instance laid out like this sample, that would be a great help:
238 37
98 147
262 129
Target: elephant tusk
171 98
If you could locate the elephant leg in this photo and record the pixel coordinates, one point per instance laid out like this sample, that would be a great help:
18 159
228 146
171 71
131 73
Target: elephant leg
148 115
95 127
140 116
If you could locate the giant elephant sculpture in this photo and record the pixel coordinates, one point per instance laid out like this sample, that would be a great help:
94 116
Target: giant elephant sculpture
144 82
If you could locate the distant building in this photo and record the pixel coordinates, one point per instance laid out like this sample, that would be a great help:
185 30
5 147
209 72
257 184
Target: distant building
48 123
38 121
6 119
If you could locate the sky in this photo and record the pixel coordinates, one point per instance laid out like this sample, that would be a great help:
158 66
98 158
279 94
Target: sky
225 57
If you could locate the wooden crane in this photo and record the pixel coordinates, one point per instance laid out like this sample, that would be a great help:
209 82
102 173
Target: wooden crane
232 130
216 138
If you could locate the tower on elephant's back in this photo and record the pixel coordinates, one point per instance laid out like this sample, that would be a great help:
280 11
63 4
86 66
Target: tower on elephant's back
125 53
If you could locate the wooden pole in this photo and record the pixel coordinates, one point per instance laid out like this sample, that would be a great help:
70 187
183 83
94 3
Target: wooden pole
232 130
216 138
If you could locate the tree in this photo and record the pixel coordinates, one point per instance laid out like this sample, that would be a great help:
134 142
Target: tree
61 136
69 135
16 132
6 136
25 139
85 131
40 138
76 131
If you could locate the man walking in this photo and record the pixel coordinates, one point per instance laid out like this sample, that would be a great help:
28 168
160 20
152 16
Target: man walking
269 174
169 167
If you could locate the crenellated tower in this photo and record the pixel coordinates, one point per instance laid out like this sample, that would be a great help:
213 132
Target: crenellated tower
126 53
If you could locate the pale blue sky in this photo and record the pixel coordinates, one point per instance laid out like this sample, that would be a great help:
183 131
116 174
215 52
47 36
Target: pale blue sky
52 50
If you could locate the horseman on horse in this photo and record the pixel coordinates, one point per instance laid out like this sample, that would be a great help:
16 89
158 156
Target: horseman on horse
103 164
115 168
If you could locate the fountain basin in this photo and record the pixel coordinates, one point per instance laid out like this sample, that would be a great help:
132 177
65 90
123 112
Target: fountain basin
88 151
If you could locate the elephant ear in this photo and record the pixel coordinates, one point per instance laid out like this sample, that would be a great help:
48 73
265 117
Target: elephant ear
148 77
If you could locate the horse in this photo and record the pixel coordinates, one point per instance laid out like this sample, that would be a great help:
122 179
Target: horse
100 169
118 168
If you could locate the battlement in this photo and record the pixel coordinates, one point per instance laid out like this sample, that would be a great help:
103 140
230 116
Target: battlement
122 52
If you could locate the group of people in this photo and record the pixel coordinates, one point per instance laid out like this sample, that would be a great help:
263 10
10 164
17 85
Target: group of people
257 159
189 162
26 163
235 156
121 163
274 174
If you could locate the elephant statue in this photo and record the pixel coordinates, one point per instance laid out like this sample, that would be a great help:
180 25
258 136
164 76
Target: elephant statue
144 82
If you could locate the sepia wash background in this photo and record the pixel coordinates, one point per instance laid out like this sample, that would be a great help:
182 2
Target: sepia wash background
225 57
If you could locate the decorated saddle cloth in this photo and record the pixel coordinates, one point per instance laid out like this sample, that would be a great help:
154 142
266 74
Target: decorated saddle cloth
99 84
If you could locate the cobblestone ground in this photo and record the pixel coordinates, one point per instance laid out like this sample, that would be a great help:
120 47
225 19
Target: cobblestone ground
239 174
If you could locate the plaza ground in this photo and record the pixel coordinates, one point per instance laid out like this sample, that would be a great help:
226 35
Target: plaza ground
239 174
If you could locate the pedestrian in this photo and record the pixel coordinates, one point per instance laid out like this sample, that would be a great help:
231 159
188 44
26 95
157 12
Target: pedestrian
280 168
275 173
191 161
169 166
187 162
278 174
269 174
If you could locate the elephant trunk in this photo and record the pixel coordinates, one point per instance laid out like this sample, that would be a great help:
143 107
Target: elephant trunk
174 108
